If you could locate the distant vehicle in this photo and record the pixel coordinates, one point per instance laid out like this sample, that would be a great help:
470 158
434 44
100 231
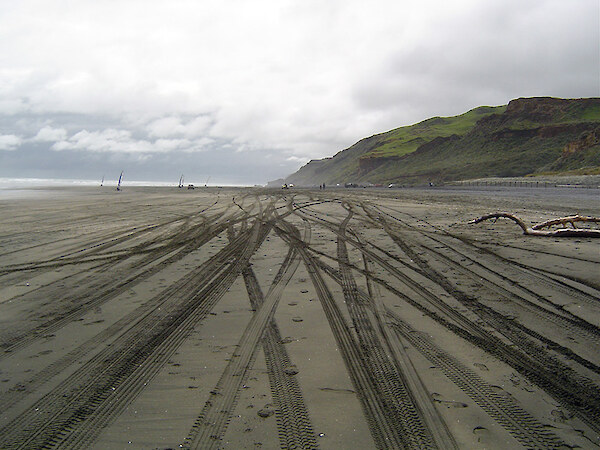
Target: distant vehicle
351 185
285 186
191 186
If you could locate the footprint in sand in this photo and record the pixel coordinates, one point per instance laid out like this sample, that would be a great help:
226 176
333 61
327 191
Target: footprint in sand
346 391
558 416
481 366
448 403
267 411
481 433
500 391
291 370
297 319
94 322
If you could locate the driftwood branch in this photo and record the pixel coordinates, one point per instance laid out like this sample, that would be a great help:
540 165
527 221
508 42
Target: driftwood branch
565 220
537 230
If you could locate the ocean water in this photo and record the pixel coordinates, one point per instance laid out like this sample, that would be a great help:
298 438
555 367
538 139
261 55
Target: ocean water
19 183
35 187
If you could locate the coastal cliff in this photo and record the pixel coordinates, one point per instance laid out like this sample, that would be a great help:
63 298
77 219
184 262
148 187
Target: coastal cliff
525 137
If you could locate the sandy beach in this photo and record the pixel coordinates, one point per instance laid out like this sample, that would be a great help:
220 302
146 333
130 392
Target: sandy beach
157 318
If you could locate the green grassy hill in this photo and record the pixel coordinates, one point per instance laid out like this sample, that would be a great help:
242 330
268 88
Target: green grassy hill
404 140
527 136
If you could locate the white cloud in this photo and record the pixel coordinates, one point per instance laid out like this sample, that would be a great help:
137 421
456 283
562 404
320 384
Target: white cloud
9 142
176 126
201 144
121 141
167 126
109 140
172 144
49 134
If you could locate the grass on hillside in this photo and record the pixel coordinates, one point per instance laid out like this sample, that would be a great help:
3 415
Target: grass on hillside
591 114
404 140
478 151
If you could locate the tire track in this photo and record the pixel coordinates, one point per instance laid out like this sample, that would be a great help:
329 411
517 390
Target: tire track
73 413
293 421
405 413
211 425
537 305
101 237
511 311
115 403
375 412
540 276
567 386
184 287
97 247
426 295
566 321
503 410
571 324
100 291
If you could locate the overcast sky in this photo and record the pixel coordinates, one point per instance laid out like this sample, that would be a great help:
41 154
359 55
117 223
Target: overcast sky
248 91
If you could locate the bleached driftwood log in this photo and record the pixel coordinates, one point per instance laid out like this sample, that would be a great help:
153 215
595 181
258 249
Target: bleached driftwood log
537 230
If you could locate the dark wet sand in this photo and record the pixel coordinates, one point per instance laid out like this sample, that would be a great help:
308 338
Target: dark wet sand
247 318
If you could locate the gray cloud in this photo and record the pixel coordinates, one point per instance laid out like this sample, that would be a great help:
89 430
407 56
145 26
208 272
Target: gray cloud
248 91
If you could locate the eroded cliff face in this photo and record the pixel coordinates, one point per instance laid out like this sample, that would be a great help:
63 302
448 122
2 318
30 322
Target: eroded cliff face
587 140
538 109
581 154
544 132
